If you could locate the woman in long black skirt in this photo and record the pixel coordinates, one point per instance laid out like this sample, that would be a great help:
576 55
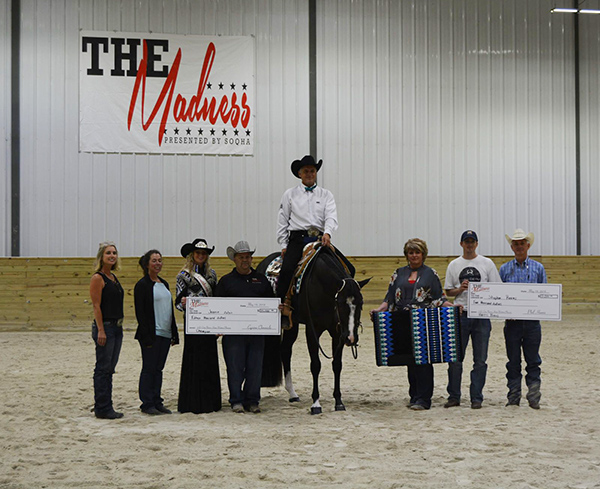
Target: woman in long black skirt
200 385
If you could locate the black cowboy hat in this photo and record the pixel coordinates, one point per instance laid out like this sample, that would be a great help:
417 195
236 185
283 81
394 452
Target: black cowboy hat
197 244
307 160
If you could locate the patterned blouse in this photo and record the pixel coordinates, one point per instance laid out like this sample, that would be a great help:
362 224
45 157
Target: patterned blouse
427 291
189 286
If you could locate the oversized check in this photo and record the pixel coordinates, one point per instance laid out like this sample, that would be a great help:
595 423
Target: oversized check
515 301
229 315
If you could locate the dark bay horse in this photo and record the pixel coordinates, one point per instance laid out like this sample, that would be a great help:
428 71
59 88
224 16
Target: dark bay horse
329 300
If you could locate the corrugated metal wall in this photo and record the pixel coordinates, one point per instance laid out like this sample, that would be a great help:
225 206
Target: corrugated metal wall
437 116
5 127
433 116
590 133
72 201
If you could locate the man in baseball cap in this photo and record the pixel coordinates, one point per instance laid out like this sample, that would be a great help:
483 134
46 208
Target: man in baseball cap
470 267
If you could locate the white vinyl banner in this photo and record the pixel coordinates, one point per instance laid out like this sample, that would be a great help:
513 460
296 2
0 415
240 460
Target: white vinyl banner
164 93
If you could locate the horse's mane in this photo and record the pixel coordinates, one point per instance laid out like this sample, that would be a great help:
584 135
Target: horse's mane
331 260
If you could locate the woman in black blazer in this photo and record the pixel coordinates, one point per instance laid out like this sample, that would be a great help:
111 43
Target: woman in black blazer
156 330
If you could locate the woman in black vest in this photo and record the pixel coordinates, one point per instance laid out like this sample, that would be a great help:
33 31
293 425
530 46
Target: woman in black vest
107 329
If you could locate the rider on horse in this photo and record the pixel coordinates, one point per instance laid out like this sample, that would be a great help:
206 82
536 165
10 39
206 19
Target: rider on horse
307 213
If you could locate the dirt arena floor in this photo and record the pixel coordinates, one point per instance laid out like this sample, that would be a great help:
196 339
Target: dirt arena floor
50 439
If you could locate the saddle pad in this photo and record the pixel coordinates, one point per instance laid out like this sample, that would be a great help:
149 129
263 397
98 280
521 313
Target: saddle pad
436 335
417 336
393 339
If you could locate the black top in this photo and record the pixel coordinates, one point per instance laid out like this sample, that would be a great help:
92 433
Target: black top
255 284
111 303
143 296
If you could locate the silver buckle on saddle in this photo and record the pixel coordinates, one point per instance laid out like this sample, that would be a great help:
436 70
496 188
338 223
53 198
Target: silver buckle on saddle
313 232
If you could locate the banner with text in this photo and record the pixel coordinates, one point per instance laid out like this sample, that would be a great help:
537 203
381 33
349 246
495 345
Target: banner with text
165 93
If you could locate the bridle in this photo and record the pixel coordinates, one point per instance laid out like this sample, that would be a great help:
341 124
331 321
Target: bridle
353 347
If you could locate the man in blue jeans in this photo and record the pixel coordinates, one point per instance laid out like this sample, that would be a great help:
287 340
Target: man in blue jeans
470 267
520 334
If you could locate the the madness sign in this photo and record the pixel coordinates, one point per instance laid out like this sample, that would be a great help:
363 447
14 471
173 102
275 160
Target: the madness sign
162 93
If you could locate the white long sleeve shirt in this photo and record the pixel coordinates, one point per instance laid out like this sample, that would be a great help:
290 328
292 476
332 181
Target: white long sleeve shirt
301 209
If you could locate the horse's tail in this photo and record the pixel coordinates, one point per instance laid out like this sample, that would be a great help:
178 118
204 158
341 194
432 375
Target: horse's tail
272 370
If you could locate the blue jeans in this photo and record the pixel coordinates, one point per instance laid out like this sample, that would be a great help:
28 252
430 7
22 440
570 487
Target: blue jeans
244 357
479 330
153 362
525 335
107 357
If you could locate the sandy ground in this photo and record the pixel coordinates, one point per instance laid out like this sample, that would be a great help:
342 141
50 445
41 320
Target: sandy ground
50 439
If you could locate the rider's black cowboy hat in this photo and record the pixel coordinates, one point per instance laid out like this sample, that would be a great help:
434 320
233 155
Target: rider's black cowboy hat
307 160
197 244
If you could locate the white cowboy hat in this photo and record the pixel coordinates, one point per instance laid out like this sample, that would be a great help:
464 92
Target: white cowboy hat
518 235
240 247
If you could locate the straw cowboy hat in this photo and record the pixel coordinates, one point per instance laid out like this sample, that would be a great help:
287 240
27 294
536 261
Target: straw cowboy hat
240 247
306 161
197 244
518 235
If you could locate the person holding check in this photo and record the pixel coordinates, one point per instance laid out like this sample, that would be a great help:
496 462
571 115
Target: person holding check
200 384
522 334
243 353
470 267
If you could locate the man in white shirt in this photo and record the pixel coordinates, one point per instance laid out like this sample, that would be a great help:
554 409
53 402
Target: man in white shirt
470 267
307 212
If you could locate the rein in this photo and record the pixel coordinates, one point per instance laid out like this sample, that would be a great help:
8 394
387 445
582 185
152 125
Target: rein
312 327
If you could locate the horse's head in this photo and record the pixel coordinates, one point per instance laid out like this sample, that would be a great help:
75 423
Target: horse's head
349 303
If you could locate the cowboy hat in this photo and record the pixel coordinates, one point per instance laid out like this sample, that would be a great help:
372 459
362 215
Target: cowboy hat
518 235
306 161
240 247
197 244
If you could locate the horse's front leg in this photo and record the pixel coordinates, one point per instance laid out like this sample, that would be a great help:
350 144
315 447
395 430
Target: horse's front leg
315 367
336 365
289 337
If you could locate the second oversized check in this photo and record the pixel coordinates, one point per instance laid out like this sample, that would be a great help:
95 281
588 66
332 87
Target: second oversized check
515 301
229 315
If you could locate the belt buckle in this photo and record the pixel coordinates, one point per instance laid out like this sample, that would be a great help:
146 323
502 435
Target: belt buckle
313 232
120 323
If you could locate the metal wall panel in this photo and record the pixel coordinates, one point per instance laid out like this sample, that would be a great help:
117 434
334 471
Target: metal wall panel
5 117
436 116
72 201
590 133
433 116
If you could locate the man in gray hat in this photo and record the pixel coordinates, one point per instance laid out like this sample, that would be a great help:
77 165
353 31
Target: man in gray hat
470 267
307 213
243 353
521 334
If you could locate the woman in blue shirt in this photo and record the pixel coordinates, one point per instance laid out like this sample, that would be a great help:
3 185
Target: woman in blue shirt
156 330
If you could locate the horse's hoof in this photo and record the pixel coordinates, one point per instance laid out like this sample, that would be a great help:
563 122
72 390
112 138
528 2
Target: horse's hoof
340 407
316 410
294 399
